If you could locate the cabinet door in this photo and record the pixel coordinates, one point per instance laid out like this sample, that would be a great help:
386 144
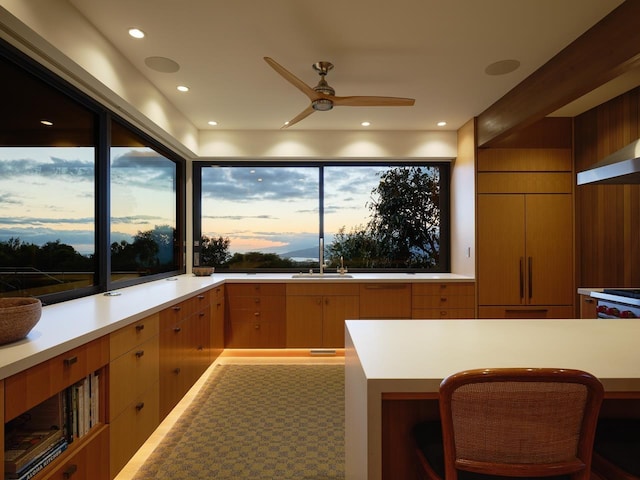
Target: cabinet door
337 309
385 300
501 249
304 321
549 247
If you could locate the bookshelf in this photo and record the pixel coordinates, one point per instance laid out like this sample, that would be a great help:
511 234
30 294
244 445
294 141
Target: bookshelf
66 393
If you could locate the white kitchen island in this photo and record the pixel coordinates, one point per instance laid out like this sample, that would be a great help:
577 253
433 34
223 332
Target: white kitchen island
405 360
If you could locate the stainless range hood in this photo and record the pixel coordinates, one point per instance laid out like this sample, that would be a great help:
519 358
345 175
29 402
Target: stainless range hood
621 167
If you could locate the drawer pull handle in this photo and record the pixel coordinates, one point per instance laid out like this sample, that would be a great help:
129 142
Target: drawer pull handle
139 353
201 314
177 329
139 328
200 348
176 370
139 406
69 471
177 309
257 326
257 314
443 299
70 361
200 297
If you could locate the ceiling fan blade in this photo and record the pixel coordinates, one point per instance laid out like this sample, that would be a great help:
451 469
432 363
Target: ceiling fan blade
304 114
292 79
372 101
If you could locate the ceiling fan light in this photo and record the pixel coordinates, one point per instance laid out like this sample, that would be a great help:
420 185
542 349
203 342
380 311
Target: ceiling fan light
322 104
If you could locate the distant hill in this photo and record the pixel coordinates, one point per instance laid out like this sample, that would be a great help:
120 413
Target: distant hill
311 252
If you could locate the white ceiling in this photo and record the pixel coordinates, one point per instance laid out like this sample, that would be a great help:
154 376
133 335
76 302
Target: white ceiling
435 51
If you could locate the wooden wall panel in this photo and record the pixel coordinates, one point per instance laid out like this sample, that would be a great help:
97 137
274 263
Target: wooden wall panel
607 216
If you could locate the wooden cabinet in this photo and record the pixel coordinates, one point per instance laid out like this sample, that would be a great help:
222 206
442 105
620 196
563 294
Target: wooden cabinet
588 307
316 313
184 348
255 315
385 300
216 331
525 265
133 388
443 300
44 387
525 250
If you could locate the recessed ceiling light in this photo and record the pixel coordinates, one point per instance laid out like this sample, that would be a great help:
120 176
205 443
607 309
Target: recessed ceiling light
136 33
213 123
365 124
46 123
441 124
182 88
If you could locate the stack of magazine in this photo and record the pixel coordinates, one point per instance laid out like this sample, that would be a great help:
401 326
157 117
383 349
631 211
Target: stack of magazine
28 452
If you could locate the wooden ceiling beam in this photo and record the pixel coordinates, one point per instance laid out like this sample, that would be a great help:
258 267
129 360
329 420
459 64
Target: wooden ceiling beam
605 51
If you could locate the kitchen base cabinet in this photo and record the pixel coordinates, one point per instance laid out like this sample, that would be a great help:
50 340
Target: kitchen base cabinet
216 330
38 394
184 348
133 388
316 314
532 312
443 300
88 462
385 300
255 315
588 307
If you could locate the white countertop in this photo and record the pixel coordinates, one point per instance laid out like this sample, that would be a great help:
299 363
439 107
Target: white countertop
67 325
415 355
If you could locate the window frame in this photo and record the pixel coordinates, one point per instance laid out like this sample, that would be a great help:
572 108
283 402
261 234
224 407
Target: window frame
445 204
102 144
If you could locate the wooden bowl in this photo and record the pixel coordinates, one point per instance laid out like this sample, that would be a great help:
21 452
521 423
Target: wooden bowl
202 271
18 315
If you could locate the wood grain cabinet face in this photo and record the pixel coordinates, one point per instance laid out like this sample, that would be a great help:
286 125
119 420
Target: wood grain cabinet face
588 307
443 301
88 462
525 250
255 315
385 300
184 348
133 388
216 331
316 314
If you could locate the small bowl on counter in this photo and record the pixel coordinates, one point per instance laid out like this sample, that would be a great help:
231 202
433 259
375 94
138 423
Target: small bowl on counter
18 315
203 271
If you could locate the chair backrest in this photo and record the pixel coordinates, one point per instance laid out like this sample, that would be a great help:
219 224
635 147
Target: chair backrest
519 422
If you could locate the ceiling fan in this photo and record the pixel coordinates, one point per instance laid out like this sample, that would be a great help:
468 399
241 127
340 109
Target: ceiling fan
323 97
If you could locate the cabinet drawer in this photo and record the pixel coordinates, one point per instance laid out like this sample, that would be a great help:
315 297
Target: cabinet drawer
248 289
385 300
89 461
30 387
442 313
257 303
443 289
133 373
548 311
133 426
342 288
176 313
443 301
123 340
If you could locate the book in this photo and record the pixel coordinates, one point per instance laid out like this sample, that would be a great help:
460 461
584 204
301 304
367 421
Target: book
38 464
22 447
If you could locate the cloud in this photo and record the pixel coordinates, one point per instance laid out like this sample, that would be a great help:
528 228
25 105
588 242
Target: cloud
248 184
146 169
73 170
7 199
44 220
137 220
240 217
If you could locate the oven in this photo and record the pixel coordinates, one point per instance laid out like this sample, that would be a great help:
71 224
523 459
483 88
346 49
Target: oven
618 303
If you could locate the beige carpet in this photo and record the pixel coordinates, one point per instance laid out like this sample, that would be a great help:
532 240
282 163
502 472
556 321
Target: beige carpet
258 422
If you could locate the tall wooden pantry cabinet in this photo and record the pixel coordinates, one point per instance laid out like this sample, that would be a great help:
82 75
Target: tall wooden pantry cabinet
525 233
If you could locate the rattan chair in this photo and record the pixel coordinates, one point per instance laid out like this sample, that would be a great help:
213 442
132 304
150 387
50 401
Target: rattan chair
616 449
513 422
